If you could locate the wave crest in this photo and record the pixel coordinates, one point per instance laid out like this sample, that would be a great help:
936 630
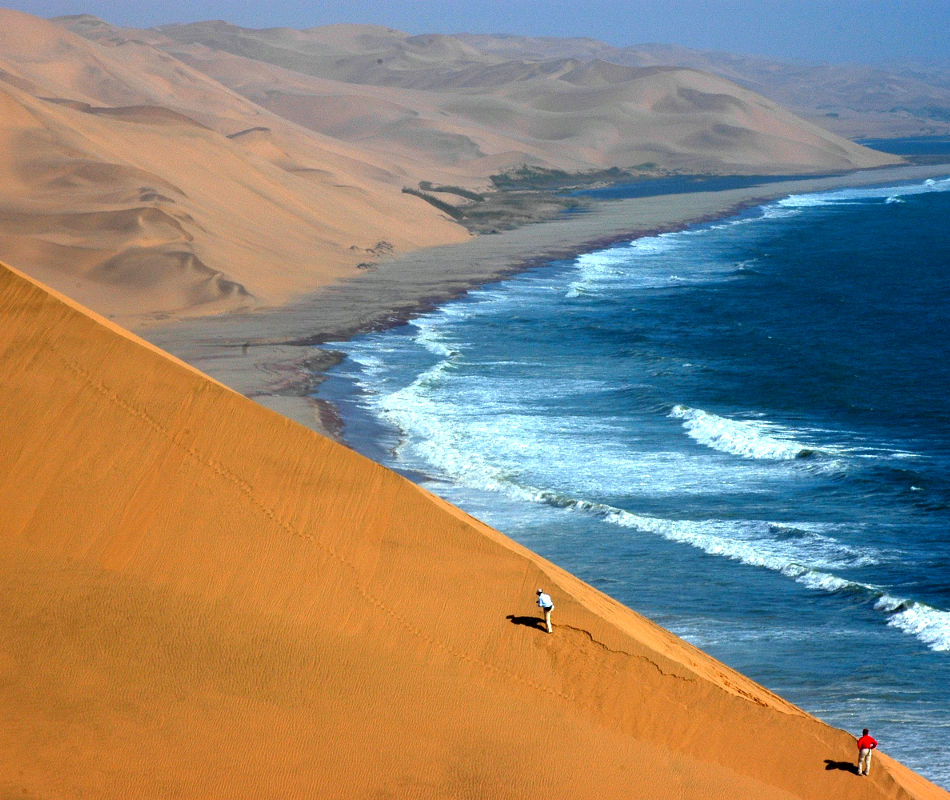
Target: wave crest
747 438
889 194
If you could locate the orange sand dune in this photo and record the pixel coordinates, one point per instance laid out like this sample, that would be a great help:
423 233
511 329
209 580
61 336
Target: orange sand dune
204 599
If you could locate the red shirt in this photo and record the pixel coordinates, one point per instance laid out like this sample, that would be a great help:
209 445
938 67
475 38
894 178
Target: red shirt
866 743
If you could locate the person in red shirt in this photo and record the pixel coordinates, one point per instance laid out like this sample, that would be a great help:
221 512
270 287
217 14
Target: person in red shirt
865 745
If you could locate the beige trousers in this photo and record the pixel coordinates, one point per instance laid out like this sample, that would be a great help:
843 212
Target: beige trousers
864 761
547 619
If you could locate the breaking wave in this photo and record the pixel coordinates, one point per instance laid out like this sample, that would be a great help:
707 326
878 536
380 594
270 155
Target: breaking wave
808 553
796 550
886 194
747 438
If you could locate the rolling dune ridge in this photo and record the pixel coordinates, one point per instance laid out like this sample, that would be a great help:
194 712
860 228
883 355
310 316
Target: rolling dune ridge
559 113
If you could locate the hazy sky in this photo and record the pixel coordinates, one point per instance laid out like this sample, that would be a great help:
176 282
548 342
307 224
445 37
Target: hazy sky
868 31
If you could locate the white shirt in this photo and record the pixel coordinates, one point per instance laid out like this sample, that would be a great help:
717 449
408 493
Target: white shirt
544 600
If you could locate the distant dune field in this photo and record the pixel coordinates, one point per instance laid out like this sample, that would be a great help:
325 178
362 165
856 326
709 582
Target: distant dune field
147 190
853 100
561 112
203 169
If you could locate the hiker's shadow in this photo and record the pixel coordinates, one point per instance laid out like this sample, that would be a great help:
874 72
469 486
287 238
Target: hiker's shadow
844 766
528 622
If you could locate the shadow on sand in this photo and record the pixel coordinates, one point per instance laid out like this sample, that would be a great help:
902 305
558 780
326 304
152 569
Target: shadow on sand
529 622
844 766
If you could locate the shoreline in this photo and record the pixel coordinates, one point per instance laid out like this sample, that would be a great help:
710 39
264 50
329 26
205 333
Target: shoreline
269 355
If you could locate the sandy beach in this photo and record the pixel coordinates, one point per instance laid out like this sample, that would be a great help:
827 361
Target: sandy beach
269 355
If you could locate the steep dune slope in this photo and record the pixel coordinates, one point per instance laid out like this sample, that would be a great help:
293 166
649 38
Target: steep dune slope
202 598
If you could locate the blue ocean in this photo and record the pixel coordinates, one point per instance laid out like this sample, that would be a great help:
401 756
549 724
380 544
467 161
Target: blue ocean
740 430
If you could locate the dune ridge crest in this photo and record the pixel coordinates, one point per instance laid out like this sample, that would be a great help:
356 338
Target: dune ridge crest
202 597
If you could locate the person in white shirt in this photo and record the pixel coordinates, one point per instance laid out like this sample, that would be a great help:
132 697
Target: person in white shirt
546 605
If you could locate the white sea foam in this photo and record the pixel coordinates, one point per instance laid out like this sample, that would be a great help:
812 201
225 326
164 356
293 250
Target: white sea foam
628 263
930 625
810 554
754 542
748 438
432 337
634 263
807 564
780 210
499 450
888 194
369 362
761 439
655 262
654 245
806 561
474 429
818 580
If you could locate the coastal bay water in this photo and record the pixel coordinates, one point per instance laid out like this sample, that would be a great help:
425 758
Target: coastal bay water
741 430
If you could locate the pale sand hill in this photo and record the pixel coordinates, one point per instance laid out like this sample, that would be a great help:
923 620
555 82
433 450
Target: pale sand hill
125 181
558 113
403 126
202 598
853 100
